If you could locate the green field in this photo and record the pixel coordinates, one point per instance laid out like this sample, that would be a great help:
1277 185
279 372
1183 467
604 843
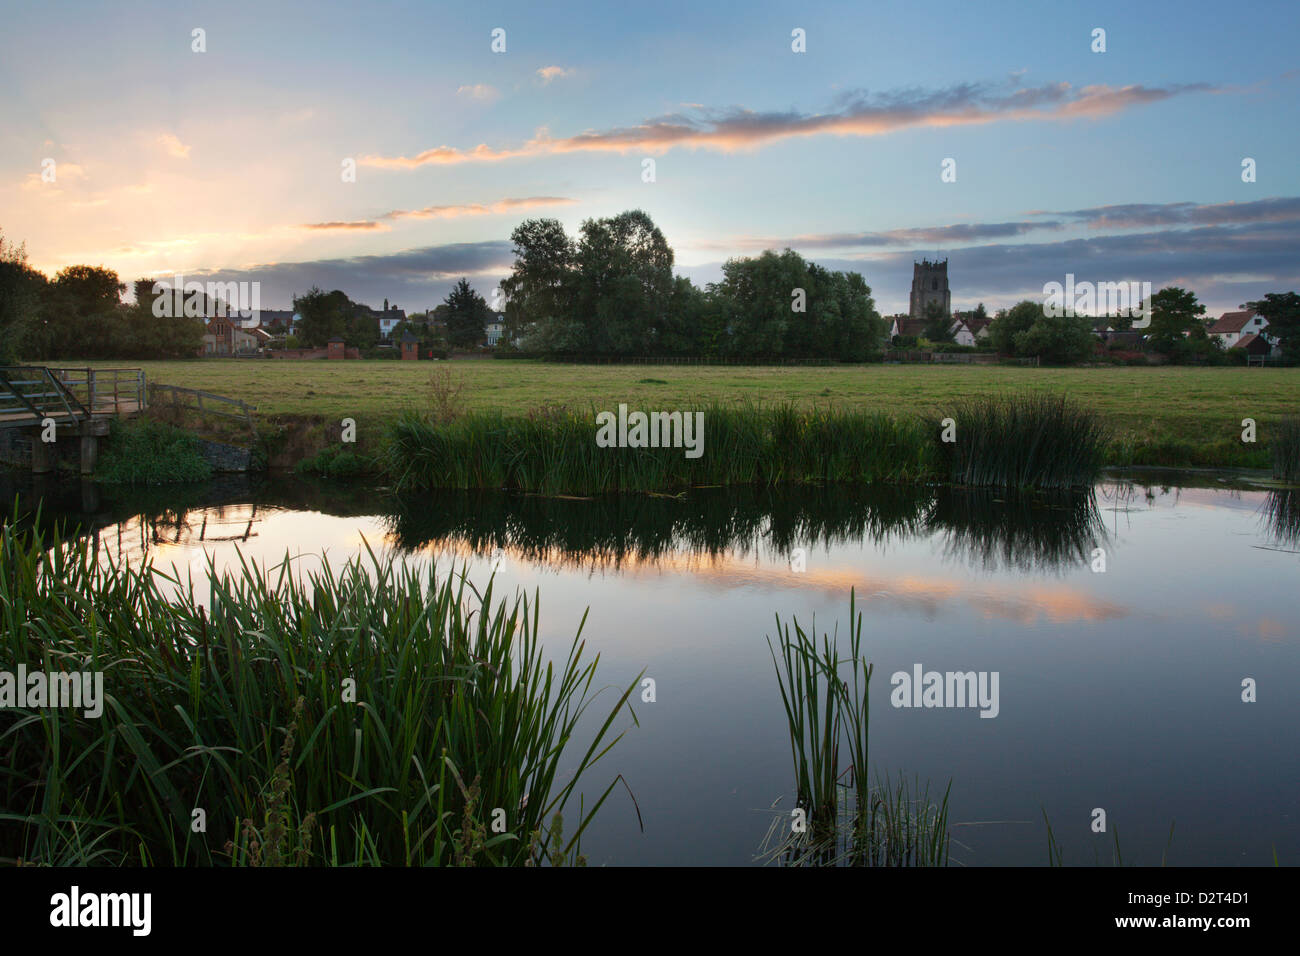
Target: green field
1171 416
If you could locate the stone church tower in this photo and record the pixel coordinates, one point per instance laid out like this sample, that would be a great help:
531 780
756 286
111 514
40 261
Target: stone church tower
930 284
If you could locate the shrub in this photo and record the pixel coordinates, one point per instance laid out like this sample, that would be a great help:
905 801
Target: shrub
146 452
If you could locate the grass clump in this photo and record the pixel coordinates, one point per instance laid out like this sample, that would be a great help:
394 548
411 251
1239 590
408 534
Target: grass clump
147 452
1022 441
844 818
379 714
1286 451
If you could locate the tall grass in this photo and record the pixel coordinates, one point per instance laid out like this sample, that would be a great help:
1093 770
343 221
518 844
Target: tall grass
553 451
1286 451
369 715
1023 441
847 820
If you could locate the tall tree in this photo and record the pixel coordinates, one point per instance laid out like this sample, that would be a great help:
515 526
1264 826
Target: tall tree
1174 313
325 315
467 315
1282 310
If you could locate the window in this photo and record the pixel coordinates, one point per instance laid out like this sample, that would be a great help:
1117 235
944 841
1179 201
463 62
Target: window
934 285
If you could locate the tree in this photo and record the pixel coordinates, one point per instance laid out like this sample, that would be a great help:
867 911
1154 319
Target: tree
467 315
325 315
1058 339
22 298
539 288
938 324
1174 313
1010 323
1282 310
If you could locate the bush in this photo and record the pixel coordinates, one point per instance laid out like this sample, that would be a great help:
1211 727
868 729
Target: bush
146 452
336 462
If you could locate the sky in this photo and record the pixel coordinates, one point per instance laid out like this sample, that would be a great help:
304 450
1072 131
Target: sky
123 145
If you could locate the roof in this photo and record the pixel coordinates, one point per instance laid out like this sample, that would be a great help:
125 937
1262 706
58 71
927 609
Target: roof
1252 340
337 338
910 326
1231 322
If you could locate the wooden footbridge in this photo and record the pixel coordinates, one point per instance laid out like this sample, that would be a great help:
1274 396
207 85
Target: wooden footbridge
65 403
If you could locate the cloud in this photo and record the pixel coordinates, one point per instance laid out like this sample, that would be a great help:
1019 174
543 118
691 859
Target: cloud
419 278
549 73
174 146
855 113
931 235
446 212
355 225
479 91
1146 215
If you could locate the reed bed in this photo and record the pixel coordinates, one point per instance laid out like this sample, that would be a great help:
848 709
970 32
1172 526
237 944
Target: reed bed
1023 441
374 715
554 451
1013 442
846 819
1286 451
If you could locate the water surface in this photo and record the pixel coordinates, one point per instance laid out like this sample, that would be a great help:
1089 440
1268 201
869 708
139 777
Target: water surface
1119 689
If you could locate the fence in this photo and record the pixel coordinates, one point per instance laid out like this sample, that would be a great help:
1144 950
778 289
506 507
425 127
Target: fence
105 391
205 403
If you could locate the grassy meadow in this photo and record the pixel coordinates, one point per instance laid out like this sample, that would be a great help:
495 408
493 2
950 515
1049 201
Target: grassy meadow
1159 416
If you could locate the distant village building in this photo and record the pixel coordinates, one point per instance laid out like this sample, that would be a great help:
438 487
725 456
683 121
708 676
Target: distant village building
930 287
495 329
410 346
224 336
1232 327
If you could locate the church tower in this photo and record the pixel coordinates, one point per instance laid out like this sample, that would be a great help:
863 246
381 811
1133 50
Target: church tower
930 284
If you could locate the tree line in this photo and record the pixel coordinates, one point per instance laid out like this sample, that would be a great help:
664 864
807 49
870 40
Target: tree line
611 290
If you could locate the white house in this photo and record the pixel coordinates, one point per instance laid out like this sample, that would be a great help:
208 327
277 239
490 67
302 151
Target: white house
1232 327
962 332
495 329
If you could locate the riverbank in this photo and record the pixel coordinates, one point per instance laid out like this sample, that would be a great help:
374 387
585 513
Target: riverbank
1170 416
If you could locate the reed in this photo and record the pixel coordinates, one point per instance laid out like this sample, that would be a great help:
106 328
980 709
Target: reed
1023 441
1286 451
849 820
375 714
1026 440
554 451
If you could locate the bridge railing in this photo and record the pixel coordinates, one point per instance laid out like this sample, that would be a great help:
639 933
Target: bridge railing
30 393
106 391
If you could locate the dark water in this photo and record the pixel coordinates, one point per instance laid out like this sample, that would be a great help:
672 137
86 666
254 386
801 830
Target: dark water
1119 689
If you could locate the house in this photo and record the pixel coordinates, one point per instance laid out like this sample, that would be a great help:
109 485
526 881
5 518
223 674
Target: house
495 329
410 346
1252 343
915 328
278 322
1231 326
225 336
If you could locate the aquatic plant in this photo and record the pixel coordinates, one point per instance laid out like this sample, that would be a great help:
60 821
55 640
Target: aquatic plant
846 819
1027 440
357 716
1286 451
